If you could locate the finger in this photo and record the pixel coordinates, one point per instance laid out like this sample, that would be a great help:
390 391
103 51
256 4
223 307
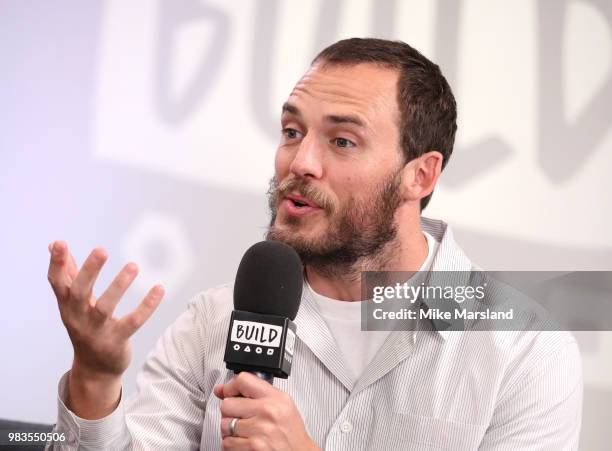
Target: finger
225 427
240 407
70 263
244 427
57 275
131 322
82 285
247 385
235 444
110 298
71 266
218 391
244 444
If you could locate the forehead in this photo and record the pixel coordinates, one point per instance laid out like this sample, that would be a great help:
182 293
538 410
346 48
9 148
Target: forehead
367 89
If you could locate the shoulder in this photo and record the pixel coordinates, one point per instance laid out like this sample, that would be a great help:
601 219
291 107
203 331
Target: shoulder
537 351
213 306
540 360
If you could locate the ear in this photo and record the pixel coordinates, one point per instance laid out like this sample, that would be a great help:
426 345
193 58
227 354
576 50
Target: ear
420 175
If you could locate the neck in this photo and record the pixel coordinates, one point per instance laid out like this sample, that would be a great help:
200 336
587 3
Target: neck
406 252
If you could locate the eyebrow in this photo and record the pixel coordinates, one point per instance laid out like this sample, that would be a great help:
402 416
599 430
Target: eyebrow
333 118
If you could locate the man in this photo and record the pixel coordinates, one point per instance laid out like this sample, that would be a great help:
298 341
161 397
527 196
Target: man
365 135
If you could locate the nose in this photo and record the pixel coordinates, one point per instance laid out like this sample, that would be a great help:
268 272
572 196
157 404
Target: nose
307 161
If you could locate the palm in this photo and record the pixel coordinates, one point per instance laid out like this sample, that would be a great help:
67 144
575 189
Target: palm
100 340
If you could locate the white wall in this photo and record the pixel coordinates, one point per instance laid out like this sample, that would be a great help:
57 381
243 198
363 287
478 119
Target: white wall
150 128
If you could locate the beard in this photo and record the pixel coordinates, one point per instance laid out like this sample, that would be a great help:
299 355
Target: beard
359 229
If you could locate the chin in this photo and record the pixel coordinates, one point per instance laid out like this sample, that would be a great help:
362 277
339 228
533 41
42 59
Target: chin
291 222
296 234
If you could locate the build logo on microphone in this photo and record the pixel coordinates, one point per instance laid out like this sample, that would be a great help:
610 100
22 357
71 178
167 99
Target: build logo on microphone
258 342
255 337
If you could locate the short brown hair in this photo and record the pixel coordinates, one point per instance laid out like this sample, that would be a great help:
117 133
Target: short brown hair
428 112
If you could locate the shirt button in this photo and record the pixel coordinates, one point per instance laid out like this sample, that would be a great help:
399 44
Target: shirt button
346 427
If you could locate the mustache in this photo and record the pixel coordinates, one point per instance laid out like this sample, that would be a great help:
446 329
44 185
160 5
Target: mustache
278 191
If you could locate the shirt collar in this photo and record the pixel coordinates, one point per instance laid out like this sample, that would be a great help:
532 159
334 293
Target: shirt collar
449 257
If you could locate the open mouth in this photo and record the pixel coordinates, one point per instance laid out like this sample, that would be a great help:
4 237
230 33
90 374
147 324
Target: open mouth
299 203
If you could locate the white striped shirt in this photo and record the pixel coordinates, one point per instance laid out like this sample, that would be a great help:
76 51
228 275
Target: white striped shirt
423 390
358 347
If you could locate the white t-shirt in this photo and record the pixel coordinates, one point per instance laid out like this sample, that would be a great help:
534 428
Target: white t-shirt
344 321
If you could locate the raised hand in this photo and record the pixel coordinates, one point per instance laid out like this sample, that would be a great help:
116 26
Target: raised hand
100 341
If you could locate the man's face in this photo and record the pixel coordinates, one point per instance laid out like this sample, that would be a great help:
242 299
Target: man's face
336 184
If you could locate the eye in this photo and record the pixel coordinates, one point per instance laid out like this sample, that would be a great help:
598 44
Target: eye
290 133
343 142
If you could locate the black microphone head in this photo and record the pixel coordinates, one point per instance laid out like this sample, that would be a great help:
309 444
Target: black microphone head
269 280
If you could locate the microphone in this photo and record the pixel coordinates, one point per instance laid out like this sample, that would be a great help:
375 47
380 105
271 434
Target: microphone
267 295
